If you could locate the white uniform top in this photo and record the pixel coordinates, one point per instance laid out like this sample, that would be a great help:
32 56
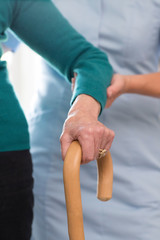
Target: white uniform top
129 32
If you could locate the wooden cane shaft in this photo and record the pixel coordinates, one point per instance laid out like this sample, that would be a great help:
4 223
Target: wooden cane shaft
71 178
104 177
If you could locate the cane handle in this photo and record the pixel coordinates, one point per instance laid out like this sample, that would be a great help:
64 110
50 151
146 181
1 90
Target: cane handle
71 178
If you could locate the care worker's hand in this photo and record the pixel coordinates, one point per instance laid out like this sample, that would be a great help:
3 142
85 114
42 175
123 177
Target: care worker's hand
82 125
118 86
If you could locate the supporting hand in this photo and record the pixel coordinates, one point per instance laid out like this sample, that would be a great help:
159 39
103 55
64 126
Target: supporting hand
118 86
82 125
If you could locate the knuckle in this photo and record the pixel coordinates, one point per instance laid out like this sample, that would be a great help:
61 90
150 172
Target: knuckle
86 132
85 136
63 137
81 131
112 133
100 130
107 133
89 130
112 136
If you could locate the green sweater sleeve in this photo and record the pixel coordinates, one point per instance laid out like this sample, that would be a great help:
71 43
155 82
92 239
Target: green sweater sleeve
41 26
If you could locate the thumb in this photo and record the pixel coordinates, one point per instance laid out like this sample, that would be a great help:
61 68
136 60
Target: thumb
109 91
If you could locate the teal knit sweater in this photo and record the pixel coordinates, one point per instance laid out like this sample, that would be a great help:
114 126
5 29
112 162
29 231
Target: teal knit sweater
40 25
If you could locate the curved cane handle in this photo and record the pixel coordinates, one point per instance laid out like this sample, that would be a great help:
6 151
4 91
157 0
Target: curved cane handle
105 177
71 178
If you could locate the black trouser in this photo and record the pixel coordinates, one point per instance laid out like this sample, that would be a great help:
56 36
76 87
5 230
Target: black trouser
16 198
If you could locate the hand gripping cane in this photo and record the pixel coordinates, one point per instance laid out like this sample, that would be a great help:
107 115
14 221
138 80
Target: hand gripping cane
71 178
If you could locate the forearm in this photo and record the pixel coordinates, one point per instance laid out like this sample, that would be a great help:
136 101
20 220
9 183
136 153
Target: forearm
146 84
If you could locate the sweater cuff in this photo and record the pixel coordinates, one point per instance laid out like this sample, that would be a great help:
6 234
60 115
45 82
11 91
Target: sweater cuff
95 88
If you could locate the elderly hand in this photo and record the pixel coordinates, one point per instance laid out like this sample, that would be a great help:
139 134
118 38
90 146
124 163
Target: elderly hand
118 86
82 125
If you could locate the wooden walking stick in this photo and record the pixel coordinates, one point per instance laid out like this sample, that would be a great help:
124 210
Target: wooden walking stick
71 178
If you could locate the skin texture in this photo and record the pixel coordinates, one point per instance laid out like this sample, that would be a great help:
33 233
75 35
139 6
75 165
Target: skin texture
145 84
82 124
71 177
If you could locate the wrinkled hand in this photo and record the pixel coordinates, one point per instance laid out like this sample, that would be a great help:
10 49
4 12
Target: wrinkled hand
118 86
82 125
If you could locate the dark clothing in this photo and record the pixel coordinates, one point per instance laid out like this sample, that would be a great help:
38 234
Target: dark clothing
16 198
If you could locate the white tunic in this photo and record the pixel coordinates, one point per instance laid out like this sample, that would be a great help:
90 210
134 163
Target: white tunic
129 32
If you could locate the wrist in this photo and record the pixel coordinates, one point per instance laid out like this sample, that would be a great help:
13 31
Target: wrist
127 83
85 104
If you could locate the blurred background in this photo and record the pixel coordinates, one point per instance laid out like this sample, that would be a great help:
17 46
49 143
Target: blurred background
24 70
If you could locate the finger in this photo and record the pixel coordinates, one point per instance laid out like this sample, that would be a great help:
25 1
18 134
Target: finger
65 140
112 92
88 149
109 92
109 102
104 139
99 139
104 142
86 162
109 140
